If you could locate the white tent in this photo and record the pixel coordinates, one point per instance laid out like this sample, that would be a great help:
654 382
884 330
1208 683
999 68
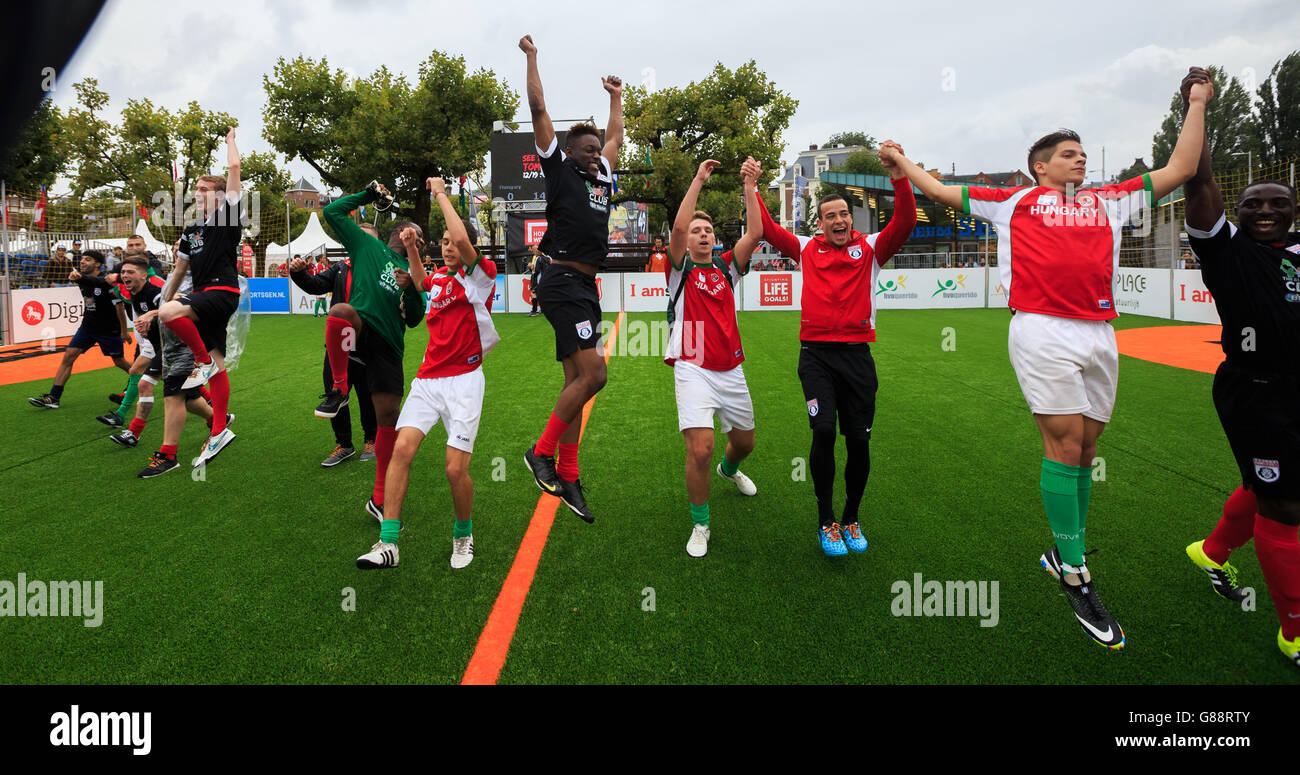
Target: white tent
312 241
151 243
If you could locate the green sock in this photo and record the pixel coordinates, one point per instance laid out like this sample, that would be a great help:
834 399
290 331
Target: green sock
461 529
1059 484
388 530
128 399
729 468
1085 490
700 514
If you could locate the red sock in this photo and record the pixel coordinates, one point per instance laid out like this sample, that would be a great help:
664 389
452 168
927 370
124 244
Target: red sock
219 383
137 426
384 441
168 450
189 334
566 463
555 427
1279 558
1235 527
336 329
205 394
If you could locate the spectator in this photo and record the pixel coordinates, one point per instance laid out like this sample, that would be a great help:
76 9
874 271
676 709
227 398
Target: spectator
76 252
113 260
658 256
322 264
59 267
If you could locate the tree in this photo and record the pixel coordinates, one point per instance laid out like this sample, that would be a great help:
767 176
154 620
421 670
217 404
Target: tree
1278 125
727 116
1229 125
1138 167
352 131
851 138
40 153
863 163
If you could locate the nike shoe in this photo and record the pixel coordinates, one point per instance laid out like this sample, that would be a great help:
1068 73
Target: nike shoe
126 438
832 541
111 420
742 482
339 454
1291 648
158 465
852 535
574 496
381 555
1051 562
116 397
1223 577
698 545
201 374
368 451
543 468
46 401
462 551
1093 617
335 400
214 446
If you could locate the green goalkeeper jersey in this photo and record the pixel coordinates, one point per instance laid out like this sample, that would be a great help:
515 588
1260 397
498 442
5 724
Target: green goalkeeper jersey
375 295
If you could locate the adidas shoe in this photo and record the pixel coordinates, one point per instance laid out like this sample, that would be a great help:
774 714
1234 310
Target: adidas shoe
698 545
832 541
742 482
335 400
1093 617
214 446
201 374
852 535
375 510
543 468
339 454
574 496
1223 577
381 555
126 438
159 464
46 401
462 551
111 420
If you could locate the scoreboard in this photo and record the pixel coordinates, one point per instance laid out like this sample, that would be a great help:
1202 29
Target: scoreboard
517 167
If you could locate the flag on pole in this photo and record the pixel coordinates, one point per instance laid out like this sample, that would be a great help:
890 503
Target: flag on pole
38 216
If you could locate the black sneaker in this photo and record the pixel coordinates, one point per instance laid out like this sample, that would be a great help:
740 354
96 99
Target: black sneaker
1051 562
159 464
126 438
575 497
1093 617
339 454
46 401
334 401
111 420
543 468
116 398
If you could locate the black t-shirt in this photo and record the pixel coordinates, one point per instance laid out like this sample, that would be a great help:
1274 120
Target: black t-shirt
577 209
1256 288
100 317
213 246
147 299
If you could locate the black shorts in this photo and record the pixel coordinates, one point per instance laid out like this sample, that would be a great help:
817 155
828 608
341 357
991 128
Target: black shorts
1261 417
214 309
383 364
109 344
571 303
839 379
172 387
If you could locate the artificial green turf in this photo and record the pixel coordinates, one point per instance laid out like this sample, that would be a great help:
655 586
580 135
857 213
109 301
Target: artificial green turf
240 578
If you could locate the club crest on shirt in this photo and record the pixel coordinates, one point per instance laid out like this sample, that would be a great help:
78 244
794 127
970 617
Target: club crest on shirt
1267 470
1084 200
435 292
97 290
812 407
855 252
584 329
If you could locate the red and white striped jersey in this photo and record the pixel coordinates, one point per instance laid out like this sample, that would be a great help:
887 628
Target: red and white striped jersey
704 330
1058 256
460 320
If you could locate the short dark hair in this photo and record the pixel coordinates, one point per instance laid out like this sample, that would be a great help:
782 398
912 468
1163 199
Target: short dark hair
579 130
1045 146
470 230
93 254
1287 186
137 261
395 234
831 198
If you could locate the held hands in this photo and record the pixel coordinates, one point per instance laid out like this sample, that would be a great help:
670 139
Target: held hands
749 172
613 84
706 169
436 186
1196 86
526 45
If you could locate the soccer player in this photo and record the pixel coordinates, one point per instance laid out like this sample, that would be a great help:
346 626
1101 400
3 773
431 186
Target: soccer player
1058 248
836 327
103 323
370 324
126 399
143 299
704 347
449 386
579 180
1252 271
337 281
207 252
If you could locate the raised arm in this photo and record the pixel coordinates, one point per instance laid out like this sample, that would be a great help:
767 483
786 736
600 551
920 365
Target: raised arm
744 250
900 226
1204 200
315 284
232 162
543 130
678 241
467 251
614 129
785 243
1185 159
934 190
338 215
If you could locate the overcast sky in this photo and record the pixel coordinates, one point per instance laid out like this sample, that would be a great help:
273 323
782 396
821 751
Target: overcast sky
1020 69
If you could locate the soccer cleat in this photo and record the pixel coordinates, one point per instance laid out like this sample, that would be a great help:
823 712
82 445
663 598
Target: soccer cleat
201 374
381 555
116 397
1093 617
335 400
111 420
159 464
1051 562
742 482
1223 577
832 541
375 510
462 551
1291 648
214 446
574 496
852 535
126 438
698 545
543 468
46 401
339 454
368 451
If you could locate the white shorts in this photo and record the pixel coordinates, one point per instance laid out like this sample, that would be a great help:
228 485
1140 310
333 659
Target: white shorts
457 401
1064 365
702 393
146 347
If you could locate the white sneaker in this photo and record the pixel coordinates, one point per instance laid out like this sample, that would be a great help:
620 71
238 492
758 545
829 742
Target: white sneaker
698 546
214 446
742 482
381 555
462 551
201 374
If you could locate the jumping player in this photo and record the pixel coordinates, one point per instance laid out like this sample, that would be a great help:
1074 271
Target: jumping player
143 299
